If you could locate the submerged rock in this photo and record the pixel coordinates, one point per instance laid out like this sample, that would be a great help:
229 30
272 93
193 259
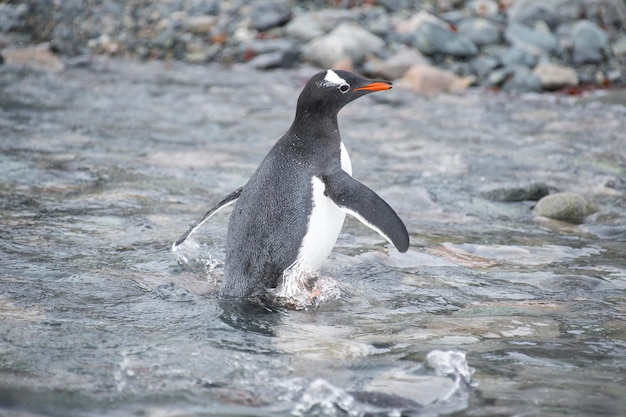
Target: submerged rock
532 191
566 206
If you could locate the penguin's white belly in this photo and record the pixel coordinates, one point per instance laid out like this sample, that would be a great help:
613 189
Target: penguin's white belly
324 226
325 223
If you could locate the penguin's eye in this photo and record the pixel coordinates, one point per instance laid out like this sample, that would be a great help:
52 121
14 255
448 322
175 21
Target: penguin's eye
344 88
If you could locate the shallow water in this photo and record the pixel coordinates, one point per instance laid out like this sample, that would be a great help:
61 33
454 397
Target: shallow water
491 312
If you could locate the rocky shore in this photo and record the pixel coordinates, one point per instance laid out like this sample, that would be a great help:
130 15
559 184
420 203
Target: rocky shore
430 45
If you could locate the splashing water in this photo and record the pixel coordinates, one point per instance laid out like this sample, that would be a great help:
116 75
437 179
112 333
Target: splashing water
195 256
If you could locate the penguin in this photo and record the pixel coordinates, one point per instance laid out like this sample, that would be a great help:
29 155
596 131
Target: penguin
289 214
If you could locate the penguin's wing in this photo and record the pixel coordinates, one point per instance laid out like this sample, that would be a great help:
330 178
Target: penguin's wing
361 202
229 199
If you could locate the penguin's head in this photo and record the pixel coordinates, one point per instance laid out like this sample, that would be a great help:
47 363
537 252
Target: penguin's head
328 91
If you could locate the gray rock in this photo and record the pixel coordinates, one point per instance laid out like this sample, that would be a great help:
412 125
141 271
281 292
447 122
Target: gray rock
345 41
200 25
590 42
480 31
12 16
396 65
522 35
533 191
277 59
268 14
432 39
566 206
304 27
519 55
498 77
483 65
260 47
485 8
522 80
619 47
555 76
528 12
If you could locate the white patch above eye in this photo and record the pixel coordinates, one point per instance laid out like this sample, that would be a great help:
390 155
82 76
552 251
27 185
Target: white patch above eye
332 78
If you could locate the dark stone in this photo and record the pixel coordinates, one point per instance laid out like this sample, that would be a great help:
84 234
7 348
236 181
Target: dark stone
266 15
533 191
278 59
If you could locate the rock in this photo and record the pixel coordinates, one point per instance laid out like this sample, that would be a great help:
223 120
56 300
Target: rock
522 80
304 28
619 47
480 31
519 55
277 59
265 46
533 191
414 22
395 66
200 25
482 65
590 42
270 53
566 206
518 34
12 16
268 14
426 79
554 76
38 58
484 8
432 39
498 77
346 40
527 12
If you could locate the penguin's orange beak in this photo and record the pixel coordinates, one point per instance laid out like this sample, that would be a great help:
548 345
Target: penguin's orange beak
375 86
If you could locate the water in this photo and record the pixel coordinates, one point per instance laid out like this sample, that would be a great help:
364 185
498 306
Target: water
491 312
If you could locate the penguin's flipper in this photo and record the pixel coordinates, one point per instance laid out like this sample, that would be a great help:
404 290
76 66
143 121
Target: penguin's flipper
229 199
361 202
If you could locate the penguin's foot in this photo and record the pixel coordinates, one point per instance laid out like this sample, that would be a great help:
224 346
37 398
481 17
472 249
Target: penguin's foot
302 290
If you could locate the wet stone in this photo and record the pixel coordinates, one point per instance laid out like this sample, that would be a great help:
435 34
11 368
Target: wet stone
566 206
532 191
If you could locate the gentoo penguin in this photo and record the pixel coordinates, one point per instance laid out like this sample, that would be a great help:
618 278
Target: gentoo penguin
289 214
